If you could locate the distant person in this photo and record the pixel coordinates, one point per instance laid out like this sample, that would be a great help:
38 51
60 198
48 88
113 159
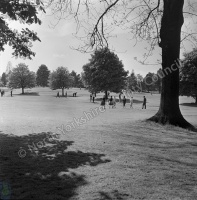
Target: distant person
131 102
93 97
75 94
2 93
114 102
58 95
90 97
11 93
66 94
124 101
144 103
111 102
103 102
108 94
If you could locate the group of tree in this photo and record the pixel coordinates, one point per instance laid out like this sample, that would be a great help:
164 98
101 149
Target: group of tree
188 75
77 80
22 77
158 21
138 83
105 72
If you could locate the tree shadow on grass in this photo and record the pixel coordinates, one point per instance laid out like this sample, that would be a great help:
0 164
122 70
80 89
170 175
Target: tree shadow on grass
42 171
68 96
27 94
114 195
189 104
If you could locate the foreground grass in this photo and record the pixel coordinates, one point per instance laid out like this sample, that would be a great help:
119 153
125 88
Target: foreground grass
144 161
148 161
113 156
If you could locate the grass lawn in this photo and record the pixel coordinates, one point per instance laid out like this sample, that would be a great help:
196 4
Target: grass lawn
114 154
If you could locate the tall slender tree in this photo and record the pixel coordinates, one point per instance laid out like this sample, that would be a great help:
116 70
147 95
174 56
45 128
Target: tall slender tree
4 79
42 76
132 81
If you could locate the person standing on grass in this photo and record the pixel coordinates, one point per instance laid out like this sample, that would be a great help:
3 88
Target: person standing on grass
90 97
93 97
58 95
144 103
103 102
108 94
2 93
111 102
66 94
114 102
124 101
11 93
131 102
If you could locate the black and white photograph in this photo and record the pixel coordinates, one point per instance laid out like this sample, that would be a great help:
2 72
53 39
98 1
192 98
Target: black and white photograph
98 100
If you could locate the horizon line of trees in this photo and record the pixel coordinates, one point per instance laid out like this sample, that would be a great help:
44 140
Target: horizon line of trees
104 72
22 77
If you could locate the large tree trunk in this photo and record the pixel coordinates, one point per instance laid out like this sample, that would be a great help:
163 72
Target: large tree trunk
172 21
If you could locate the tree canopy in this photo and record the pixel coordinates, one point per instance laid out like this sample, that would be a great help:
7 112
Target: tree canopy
60 79
22 77
101 19
104 72
188 75
42 76
25 12
132 81
4 79
77 80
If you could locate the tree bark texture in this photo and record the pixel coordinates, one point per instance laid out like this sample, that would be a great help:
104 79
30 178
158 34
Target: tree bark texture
170 34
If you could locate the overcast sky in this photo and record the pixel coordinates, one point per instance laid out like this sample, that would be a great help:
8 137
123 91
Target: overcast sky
55 50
